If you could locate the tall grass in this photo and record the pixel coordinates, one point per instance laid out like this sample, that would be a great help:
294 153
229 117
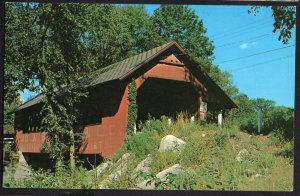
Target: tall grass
208 160
209 157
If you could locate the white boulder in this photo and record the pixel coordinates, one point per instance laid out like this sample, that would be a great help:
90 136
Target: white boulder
242 154
150 184
170 142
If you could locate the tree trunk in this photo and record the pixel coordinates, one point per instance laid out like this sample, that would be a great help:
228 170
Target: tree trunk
72 151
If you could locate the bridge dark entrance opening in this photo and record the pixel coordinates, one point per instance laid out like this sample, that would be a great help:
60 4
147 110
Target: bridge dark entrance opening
158 97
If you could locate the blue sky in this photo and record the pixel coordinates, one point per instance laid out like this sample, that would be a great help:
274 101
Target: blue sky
237 34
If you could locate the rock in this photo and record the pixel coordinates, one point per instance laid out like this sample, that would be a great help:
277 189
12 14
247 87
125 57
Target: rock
150 184
242 153
102 168
144 165
121 166
146 185
170 142
124 158
116 172
254 177
171 170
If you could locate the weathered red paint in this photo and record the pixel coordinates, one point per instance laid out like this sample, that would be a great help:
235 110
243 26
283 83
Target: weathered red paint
30 142
107 137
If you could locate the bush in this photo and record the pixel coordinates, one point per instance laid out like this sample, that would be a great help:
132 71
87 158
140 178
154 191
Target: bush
279 121
63 177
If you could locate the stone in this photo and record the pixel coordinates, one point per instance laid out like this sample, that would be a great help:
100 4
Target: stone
102 168
242 153
121 166
171 170
170 142
150 184
144 165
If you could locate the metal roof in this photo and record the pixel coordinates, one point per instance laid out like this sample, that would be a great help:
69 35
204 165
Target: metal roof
111 72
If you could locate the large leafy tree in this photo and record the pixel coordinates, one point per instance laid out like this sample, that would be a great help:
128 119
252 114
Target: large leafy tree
113 33
180 23
143 35
49 58
50 46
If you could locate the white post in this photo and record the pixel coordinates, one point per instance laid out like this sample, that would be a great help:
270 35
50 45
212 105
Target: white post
169 121
220 120
134 129
192 119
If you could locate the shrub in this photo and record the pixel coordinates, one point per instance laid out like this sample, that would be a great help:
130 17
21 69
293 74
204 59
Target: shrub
63 177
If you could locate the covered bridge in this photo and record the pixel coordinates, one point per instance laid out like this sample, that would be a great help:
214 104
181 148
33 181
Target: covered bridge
168 81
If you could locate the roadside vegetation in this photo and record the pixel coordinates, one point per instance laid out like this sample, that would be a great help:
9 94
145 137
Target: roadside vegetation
208 160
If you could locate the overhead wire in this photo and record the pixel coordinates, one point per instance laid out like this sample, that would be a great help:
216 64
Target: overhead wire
239 30
259 53
265 62
230 29
260 37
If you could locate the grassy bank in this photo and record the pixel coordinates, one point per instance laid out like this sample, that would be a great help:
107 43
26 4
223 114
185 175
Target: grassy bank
208 160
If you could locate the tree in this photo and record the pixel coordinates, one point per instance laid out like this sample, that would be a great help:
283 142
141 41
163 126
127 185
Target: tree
245 116
143 35
54 56
49 58
180 23
279 120
285 20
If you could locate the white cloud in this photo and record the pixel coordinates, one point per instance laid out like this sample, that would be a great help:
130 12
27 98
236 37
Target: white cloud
244 46
247 45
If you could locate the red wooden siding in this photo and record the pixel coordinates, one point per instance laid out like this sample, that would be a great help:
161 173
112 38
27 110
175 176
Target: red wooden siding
106 138
30 142
108 135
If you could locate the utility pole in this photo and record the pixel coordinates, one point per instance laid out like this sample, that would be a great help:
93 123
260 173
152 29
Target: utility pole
259 110
259 120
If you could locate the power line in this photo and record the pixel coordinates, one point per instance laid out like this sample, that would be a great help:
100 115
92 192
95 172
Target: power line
254 65
240 27
240 30
260 37
241 33
264 52
230 29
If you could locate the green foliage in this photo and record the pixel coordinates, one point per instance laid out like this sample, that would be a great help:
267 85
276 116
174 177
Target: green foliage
143 36
132 107
63 177
52 55
8 118
142 143
208 159
280 120
285 20
277 120
180 23
205 164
